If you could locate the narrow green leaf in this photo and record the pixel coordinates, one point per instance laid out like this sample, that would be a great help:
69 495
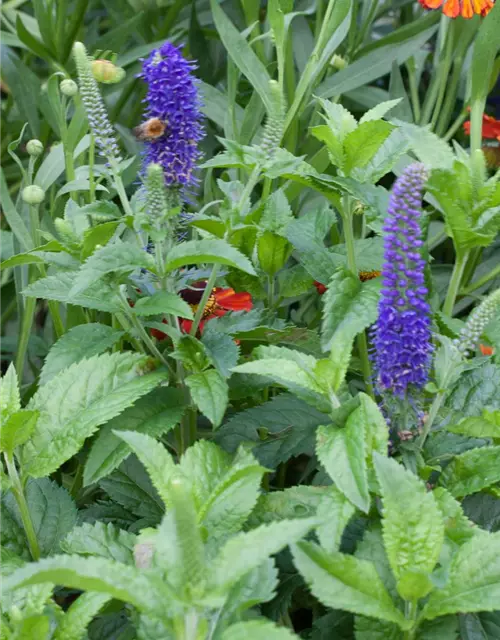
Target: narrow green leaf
79 399
486 426
211 250
210 393
163 302
346 582
379 111
429 148
334 512
13 218
99 235
16 429
10 398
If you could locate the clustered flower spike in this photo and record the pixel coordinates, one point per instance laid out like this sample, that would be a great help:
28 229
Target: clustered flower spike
97 116
402 335
275 122
477 323
173 101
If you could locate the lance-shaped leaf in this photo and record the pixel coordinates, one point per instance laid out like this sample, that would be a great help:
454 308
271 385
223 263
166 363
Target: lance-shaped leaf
472 471
473 582
10 399
79 615
163 302
335 511
17 429
346 582
75 402
413 527
99 539
210 393
210 250
153 455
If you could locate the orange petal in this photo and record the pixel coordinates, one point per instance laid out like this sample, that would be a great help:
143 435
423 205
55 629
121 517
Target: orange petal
451 8
431 4
486 350
231 301
467 9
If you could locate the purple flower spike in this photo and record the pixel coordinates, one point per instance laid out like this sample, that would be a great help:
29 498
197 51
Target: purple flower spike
173 98
402 335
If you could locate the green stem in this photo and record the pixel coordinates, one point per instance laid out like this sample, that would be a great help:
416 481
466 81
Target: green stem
444 70
455 126
494 273
92 184
120 190
24 336
17 490
451 98
456 279
433 411
415 98
351 263
204 299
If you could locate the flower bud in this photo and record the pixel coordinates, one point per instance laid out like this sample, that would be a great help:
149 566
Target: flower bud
68 87
34 147
338 62
33 194
106 72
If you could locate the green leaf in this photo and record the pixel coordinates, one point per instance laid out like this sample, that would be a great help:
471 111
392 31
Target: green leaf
476 390
486 426
10 399
343 454
379 110
79 615
273 251
457 527
210 393
83 341
98 235
243 56
163 302
118 257
16 223
52 512
335 511
156 459
345 582
429 148
257 630
412 524
221 349
28 600
79 399
119 581
102 540
349 306
154 415
17 429
205 464
246 551
100 296
474 580
210 250
472 471
363 143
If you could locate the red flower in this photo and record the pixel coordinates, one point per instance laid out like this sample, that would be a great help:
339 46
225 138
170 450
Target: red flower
321 288
363 276
218 304
486 350
491 128
455 8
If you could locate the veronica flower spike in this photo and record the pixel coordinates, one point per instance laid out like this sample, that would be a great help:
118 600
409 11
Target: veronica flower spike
173 128
402 335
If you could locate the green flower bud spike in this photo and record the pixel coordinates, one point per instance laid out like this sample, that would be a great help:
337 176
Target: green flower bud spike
477 323
34 147
273 129
33 194
68 88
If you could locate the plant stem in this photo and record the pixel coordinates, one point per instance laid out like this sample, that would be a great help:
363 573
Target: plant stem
454 286
351 263
204 299
17 490
91 168
415 99
455 126
433 411
24 336
120 189
495 272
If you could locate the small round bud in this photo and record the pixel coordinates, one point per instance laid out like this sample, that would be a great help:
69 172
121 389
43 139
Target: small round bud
106 72
33 194
338 62
34 147
68 87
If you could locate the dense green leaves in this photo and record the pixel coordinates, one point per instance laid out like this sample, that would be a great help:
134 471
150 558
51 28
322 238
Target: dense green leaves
472 471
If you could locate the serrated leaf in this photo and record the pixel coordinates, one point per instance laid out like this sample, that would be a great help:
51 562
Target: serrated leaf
118 257
363 143
413 528
98 235
154 415
79 615
17 429
334 512
75 402
221 349
429 148
210 250
295 502
255 587
349 306
457 527
83 341
146 592
52 510
472 471
345 582
102 540
474 580
379 110
343 454
486 426
163 302
257 630
155 457
476 391
10 399
210 393
246 551
100 296
29 600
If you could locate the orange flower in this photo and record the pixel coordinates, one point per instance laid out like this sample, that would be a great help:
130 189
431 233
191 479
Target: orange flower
218 304
486 350
491 128
455 8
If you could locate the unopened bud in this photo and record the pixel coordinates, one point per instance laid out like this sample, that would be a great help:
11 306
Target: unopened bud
68 87
33 194
34 147
106 72
338 62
